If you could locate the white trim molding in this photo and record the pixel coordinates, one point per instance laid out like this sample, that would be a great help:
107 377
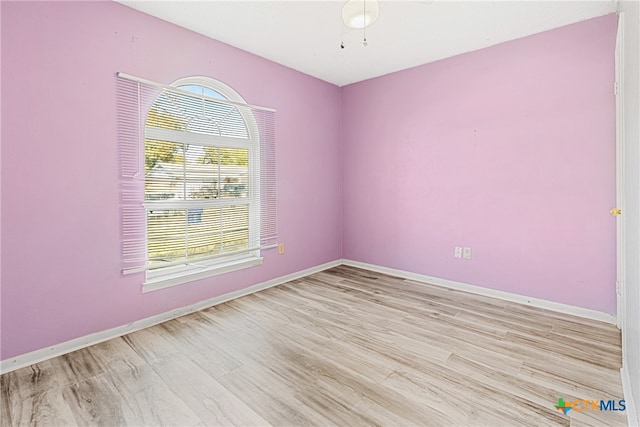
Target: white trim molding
203 272
632 412
620 175
98 337
493 293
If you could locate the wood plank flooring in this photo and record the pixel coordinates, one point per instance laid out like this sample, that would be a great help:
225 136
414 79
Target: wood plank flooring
344 347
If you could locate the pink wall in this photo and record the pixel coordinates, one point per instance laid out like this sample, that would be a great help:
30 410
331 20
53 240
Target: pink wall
509 150
60 214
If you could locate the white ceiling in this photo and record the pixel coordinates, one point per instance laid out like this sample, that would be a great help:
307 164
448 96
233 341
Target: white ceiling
306 35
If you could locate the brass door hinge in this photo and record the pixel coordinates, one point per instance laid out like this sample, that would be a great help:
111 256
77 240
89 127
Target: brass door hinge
615 212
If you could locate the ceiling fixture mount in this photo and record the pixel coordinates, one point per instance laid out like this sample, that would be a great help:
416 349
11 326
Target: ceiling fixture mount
360 13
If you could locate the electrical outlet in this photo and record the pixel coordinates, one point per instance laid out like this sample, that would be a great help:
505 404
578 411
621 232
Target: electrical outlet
280 248
466 253
458 252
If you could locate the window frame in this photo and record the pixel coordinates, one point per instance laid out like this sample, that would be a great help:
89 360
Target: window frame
200 269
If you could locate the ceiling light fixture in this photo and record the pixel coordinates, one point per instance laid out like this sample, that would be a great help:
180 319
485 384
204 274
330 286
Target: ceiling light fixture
360 13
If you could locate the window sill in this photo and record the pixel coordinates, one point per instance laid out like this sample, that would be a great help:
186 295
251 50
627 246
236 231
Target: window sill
161 282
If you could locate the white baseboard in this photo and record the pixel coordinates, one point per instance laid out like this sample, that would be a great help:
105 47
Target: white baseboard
633 418
91 339
507 296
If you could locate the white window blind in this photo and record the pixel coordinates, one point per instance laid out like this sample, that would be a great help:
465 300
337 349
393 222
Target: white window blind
198 176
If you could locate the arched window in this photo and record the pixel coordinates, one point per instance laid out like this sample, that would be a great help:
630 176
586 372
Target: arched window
204 196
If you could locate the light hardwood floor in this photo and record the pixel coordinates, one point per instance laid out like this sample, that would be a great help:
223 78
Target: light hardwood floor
342 347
